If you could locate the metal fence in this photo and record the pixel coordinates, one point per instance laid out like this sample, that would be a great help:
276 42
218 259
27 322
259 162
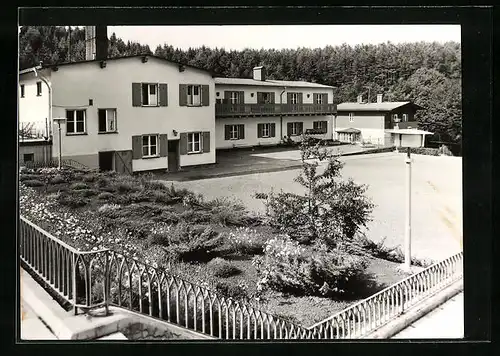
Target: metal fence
91 279
52 163
370 314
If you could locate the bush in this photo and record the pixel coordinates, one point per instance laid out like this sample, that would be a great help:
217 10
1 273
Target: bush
90 178
79 186
154 185
33 183
88 192
227 212
445 151
238 291
192 243
125 187
313 270
195 216
26 176
247 241
222 268
102 181
161 239
105 196
72 200
57 179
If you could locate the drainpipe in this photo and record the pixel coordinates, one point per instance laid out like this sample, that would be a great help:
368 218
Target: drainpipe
281 115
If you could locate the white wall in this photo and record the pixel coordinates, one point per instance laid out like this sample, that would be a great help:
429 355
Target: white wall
32 108
248 90
111 87
371 125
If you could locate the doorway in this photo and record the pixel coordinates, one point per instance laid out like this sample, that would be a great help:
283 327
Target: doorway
106 161
173 155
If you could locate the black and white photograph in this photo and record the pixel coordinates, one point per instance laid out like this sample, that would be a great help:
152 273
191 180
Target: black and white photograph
240 182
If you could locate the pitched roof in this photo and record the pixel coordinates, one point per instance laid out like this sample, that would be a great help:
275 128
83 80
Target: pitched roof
349 130
116 58
269 83
384 106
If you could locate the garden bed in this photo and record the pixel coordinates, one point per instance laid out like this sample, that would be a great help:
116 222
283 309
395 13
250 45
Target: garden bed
154 222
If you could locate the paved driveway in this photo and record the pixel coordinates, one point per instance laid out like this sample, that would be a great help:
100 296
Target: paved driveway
436 197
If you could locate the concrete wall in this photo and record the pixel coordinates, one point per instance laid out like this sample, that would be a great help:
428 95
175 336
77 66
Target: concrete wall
41 152
111 87
370 124
33 108
251 123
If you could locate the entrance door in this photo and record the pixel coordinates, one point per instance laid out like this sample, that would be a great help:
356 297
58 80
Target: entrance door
106 161
173 155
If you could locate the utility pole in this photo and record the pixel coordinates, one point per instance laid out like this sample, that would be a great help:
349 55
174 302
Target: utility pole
69 43
407 263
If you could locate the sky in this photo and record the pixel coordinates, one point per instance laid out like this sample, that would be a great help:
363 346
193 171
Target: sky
280 36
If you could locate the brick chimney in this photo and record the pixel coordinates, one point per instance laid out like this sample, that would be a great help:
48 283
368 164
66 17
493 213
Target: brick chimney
259 73
96 42
379 98
360 99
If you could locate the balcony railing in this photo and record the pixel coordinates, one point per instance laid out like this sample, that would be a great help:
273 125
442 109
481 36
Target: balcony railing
231 110
406 125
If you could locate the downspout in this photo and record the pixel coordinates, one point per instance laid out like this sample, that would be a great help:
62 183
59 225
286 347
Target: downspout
281 115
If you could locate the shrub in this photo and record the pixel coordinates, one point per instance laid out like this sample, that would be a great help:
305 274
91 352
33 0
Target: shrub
222 268
57 179
71 200
161 239
125 187
238 291
105 196
87 192
313 270
102 181
79 186
109 210
227 212
246 241
108 189
192 243
33 183
89 178
155 185
169 217
178 193
27 176
195 216
445 151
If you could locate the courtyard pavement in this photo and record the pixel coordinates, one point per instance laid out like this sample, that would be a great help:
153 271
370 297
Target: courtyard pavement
436 195
32 328
444 322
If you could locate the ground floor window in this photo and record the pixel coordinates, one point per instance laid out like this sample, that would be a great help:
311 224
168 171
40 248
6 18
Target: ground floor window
234 132
266 129
75 122
149 146
28 157
320 126
194 142
295 128
107 120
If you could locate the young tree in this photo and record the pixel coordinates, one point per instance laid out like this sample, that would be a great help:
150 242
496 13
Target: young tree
331 210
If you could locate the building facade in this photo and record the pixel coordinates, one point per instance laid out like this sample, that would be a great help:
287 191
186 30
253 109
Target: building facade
131 114
362 122
258 112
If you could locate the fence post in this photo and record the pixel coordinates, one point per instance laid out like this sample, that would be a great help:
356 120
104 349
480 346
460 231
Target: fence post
73 259
107 282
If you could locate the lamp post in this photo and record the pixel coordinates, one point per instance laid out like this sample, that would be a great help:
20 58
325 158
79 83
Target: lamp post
408 138
59 120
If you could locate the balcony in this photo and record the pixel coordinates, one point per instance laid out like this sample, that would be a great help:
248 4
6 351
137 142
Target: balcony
240 110
406 125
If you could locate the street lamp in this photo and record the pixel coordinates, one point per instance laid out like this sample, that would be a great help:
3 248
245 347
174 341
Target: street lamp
59 120
408 138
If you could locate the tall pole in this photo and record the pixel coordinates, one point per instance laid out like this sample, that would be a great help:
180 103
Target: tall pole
60 151
407 263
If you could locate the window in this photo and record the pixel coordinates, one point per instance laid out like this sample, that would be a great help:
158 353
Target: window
149 94
405 117
29 157
294 98
319 99
75 122
194 142
351 117
320 126
395 117
234 132
266 130
194 95
107 120
234 97
38 88
266 98
295 128
149 146
22 90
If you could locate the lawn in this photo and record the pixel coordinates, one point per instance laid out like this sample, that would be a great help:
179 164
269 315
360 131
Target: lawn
166 225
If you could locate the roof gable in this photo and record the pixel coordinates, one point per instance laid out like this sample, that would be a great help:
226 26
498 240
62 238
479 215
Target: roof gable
381 107
270 83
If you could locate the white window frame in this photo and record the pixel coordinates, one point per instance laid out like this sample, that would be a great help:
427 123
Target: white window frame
75 121
294 98
351 117
108 120
295 129
149 146
315 123
191 142
405 118
191 96
153 99
23 93
319 99
234 97
234 132
266 130
395 117
38 88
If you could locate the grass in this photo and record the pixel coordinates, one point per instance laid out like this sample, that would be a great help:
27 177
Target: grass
204 241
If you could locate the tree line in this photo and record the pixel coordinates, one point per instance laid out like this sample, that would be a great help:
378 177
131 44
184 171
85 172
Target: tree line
428 73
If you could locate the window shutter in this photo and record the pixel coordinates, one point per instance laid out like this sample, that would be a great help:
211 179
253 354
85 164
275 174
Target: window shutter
324 126
136 147
183 143
300 97
259 98
273 98
182 95
242 132
205 95
273 130
227 132
325 98
289 129
301 128
136 94
163 145
259 130
163 94
241 97
289 98
227 95
206 141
